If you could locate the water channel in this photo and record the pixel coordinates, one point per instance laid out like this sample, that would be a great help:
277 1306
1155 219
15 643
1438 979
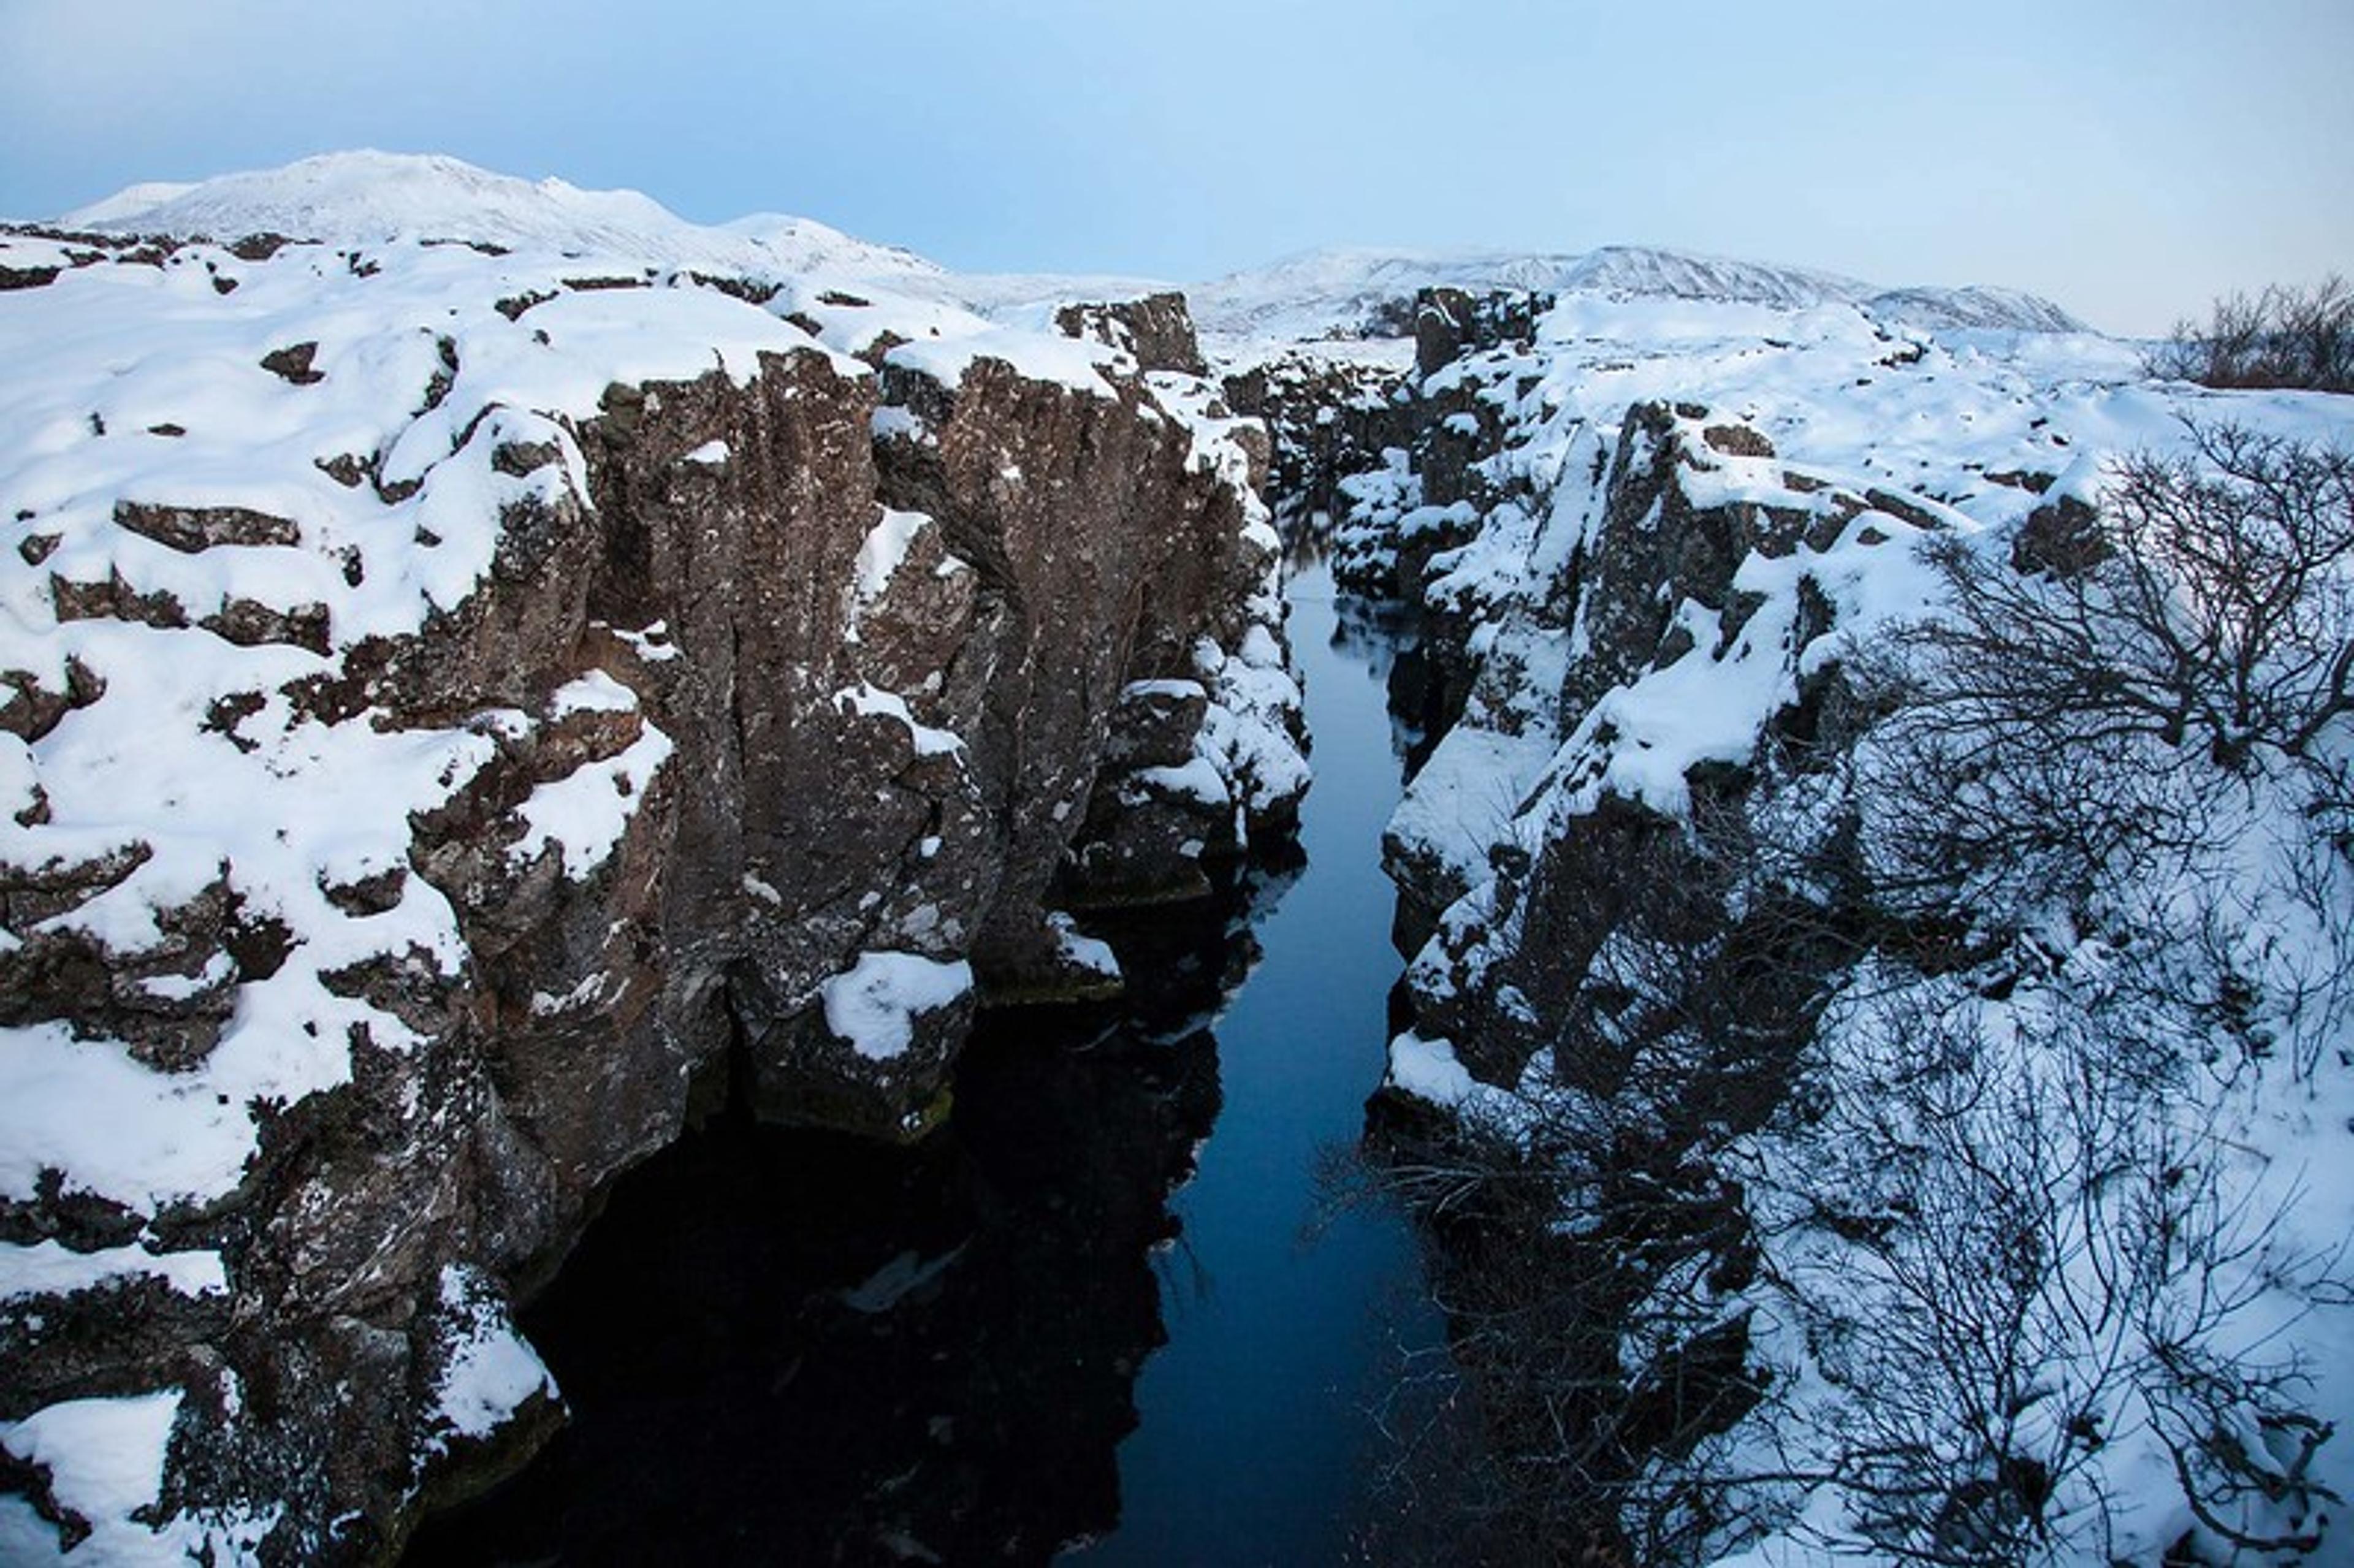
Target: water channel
1014 1342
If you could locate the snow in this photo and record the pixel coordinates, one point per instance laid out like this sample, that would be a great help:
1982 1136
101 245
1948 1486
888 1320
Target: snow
367 197
1081 951
48 1268
1255 704
595 692
1065 362
891 422
880 556
1427 1070
489 1379
1197 779
105 1459
872 1006
1179 691
648 642
491 1372
1466 796
587 809
129 201
590 992
869 700
885 548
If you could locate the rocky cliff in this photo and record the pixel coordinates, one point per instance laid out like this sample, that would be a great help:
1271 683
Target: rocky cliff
467 710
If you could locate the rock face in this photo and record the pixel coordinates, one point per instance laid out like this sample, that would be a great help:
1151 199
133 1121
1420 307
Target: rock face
576 700
1449 323
1330 419
869 1351
1687 504
1450 429
1158 329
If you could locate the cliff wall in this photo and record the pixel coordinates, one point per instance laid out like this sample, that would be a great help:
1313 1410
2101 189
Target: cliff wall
468 714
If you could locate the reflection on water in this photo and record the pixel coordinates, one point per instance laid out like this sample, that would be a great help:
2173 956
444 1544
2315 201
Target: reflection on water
787 1347
783 1346
1259 1443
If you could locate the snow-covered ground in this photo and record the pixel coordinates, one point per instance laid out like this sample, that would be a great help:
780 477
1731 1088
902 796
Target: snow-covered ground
163 442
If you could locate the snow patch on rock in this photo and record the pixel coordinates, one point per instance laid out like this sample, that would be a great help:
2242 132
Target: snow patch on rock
874 1005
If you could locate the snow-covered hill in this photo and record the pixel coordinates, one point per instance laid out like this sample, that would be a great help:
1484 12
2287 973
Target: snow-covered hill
364 197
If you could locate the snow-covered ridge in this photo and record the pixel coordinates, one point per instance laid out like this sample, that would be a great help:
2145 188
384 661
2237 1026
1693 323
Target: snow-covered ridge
1348 292
268 508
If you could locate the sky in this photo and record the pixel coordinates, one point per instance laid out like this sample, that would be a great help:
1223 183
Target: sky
2132 159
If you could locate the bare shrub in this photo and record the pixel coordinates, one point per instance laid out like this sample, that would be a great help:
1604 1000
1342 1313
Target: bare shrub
2220 611
2281 336
2040 1263
2062 729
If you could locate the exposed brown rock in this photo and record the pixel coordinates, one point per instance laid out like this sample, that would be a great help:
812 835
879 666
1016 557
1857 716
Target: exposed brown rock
193 528
2063 537
292 362
1737 440
1450 323
1157 328
32 710
115 599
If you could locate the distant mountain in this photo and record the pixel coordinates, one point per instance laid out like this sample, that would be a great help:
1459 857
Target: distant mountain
1349 293
360 198
2003 308
142 197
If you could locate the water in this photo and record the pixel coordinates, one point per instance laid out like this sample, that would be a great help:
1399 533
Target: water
1255 1443
782 1346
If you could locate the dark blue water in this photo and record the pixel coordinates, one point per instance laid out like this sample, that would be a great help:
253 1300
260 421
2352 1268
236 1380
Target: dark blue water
1255 1443
1013 1341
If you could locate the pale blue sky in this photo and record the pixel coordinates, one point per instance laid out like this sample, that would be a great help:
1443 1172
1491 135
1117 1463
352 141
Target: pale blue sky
2130 158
